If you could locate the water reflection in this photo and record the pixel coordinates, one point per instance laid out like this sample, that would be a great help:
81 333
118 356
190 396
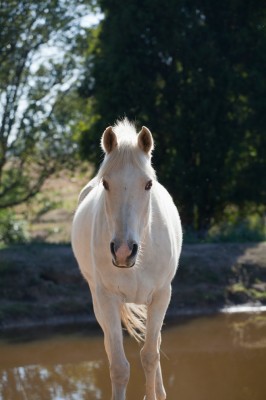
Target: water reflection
222 357
71 367
50 382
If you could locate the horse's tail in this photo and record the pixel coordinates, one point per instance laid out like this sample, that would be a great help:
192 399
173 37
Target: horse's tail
134 318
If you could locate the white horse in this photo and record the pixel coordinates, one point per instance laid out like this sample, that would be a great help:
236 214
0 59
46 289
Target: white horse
127 239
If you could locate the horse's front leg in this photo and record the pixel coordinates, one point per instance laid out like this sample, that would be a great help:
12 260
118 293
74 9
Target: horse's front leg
107 311
150 353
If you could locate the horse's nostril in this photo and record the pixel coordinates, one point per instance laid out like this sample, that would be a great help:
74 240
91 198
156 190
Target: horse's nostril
112 248
134 250
123 252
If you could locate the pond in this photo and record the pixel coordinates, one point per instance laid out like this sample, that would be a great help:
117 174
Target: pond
218 357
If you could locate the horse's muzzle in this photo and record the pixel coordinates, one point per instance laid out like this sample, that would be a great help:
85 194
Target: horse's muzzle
124 256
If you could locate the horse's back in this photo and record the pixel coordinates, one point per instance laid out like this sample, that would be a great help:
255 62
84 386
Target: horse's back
166 232
87 189
165 212
83 228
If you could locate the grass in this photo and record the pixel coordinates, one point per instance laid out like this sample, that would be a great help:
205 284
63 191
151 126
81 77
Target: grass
238 287
258 295
49 215
255 292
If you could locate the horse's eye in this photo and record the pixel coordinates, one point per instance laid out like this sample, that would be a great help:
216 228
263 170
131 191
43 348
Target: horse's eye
105 184
148 185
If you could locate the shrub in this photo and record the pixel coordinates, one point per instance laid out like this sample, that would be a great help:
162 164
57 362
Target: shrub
12 229
251 228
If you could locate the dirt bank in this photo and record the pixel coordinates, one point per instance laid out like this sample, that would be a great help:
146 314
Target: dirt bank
40 284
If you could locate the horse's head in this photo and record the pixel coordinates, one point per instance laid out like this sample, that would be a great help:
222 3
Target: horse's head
127 178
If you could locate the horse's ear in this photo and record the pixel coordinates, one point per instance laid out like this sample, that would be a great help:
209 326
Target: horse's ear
145 140
109 141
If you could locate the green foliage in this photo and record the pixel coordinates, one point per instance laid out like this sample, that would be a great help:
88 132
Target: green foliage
234 226
238 228
12 229
194 72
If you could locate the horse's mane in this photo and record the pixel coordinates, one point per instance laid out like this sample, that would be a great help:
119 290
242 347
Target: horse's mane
126 152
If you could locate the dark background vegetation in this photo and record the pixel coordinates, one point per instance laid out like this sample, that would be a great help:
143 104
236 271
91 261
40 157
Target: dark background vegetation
193 71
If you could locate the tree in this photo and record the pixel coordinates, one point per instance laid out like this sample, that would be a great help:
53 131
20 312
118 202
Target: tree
194 72
39 57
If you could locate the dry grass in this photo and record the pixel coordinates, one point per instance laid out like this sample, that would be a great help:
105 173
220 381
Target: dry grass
50 213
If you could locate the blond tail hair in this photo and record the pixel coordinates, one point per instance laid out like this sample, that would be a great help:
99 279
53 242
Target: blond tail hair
134 319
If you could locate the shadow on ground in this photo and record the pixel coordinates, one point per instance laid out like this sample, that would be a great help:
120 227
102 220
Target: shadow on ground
40 284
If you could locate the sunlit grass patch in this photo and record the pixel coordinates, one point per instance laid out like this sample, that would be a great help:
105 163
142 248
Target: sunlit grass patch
48 216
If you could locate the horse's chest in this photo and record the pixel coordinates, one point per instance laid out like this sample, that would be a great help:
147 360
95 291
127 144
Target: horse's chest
135 291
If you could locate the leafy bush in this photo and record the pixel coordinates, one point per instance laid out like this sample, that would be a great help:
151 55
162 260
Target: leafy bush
12 229
237 228
234 227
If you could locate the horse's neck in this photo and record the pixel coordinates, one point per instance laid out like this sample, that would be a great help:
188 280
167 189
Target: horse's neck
100 220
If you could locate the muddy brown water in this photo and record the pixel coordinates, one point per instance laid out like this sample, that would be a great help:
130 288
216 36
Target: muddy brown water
221 357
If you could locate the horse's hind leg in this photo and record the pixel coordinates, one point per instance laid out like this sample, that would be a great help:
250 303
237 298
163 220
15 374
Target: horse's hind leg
150 353
107 311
